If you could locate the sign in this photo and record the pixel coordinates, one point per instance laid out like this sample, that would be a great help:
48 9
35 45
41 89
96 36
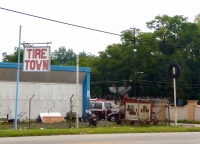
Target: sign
37 59
138 110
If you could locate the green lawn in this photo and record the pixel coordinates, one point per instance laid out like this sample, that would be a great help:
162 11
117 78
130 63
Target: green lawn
96 130
103 127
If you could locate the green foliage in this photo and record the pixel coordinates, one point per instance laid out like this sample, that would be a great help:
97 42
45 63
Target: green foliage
71 115
13 57
64 57
188 121
197 19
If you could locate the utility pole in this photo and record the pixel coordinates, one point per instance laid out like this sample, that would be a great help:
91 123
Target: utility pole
134 63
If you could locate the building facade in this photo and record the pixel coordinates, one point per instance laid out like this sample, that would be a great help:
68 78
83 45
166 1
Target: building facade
43 92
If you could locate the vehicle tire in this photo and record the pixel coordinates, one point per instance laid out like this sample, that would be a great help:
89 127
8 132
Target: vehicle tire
177 68
118 121
94 123
97 117
112 119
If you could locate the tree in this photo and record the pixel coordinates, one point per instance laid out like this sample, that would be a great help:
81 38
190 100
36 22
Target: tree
64 57
197 19
179 40
13 57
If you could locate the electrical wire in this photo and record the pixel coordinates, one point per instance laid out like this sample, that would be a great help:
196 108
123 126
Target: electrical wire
67 23
59 21
152 83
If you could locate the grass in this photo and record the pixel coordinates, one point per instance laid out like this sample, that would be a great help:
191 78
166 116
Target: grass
41 129
96 130
188 121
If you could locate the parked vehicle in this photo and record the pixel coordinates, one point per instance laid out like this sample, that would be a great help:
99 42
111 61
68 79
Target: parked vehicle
102 108
114 116
91 118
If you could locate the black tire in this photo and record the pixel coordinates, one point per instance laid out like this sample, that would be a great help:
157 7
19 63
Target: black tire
97 117
113 119
94 123
170 72
118 121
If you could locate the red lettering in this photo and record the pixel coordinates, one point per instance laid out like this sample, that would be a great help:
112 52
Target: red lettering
36 59
26 63
29 53
38 64
32 65
33 54
37 53
45 64
43 53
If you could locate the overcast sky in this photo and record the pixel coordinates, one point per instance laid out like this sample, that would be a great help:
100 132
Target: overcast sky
107 15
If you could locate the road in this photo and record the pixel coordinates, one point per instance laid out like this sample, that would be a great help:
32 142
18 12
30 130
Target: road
134 138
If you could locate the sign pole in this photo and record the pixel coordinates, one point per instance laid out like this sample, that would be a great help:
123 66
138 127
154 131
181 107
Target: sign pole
77 90
175 109
17 86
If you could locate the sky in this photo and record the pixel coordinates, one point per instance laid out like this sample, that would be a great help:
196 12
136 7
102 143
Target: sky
106 15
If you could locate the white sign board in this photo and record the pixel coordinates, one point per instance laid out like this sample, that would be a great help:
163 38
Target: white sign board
37 59
138 110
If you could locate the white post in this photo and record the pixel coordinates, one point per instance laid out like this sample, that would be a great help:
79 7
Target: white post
77 90
175 109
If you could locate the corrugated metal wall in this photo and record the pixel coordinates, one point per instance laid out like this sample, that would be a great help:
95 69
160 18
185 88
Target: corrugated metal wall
49 97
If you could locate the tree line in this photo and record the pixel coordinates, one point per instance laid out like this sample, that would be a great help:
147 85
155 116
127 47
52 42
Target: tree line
172 39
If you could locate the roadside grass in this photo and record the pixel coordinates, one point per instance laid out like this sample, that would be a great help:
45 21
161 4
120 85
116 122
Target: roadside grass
188 121
96 130
103 127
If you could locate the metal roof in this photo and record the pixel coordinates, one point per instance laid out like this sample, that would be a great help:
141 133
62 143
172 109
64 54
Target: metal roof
58 74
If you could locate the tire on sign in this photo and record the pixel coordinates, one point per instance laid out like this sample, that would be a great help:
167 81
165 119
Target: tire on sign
177 70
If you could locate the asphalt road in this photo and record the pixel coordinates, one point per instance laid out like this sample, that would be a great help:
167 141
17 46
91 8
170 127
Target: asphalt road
134 138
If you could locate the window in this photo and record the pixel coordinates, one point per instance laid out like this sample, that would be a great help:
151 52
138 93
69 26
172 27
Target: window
113 106
108 105
95 105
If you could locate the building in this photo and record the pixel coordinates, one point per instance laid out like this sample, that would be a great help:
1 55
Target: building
50 91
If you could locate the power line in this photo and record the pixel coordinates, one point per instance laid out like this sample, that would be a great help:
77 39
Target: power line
59 21
67 23
152 83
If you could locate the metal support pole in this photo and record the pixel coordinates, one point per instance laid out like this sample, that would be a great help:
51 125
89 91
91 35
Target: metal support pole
134 86
138 109
71 115
134 69
17 85
134 64
30 111
165 112
77 90
168 111
175 109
